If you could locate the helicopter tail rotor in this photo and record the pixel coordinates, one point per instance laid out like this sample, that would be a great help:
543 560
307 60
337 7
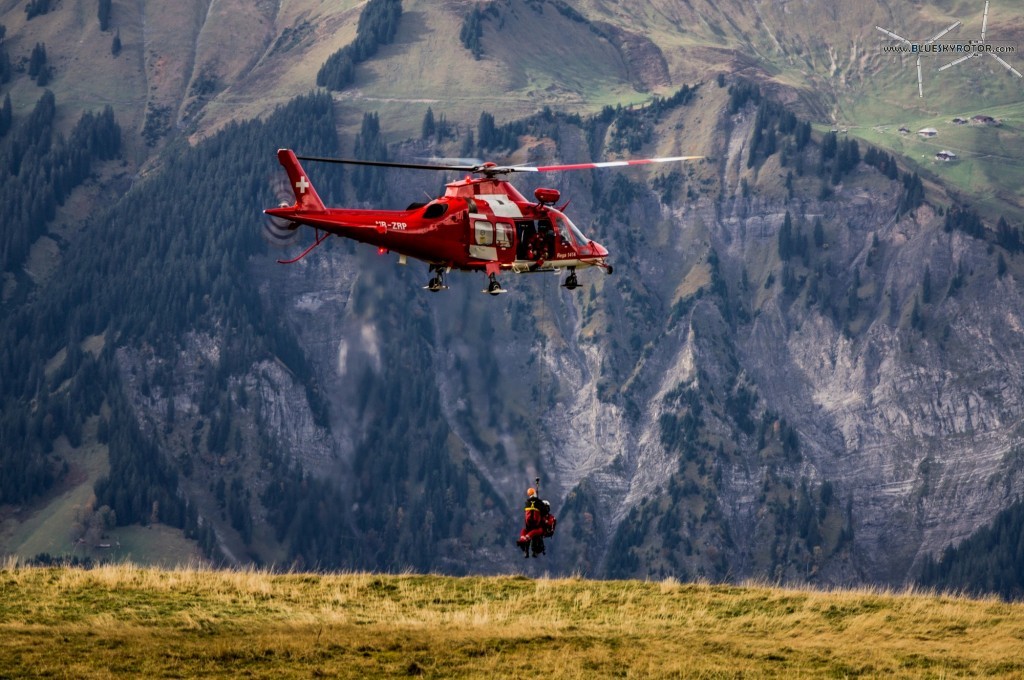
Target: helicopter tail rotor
278 231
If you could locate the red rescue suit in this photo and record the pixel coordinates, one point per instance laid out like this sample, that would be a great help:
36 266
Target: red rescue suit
539 523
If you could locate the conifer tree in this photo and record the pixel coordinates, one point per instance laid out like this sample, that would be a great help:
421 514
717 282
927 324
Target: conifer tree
103 14
37 60
429 126
338 71
378 24
6 116
913 194
370 182
36 7
472 31
6 71
485 130
786 238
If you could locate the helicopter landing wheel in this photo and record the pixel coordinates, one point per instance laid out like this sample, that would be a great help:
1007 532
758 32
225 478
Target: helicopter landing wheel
436 282
493 287
571 282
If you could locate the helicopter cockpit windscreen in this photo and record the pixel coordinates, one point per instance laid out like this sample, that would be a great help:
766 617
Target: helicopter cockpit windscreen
565 224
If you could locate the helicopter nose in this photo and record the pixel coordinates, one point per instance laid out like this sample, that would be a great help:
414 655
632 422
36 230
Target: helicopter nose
598 249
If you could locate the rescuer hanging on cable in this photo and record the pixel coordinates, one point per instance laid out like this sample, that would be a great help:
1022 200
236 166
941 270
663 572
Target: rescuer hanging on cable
539 524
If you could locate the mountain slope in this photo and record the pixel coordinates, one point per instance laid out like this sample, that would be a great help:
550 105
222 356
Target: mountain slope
201 63
797 371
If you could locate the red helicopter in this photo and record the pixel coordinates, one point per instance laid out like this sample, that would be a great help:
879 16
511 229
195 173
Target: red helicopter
482 223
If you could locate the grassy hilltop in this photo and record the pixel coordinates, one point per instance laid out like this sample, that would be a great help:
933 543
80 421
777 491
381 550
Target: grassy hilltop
187 622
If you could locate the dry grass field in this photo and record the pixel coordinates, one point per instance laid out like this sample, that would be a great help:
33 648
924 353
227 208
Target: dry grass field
189 622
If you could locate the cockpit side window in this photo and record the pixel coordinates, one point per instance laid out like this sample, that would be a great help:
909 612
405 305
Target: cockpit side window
565 227
563 231
435 210
564 222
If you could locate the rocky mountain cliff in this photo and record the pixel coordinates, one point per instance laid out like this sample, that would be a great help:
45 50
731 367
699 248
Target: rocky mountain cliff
802 369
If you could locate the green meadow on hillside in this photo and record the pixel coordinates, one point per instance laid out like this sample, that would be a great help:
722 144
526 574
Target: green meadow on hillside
127 620
989 169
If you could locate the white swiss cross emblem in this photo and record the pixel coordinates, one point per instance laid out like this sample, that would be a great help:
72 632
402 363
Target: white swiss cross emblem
302 185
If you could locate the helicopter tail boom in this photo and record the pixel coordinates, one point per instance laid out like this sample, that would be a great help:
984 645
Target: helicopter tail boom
306 197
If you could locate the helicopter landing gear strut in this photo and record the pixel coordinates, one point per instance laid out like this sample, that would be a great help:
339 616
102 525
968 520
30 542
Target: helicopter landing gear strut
571 282
493 287
436 282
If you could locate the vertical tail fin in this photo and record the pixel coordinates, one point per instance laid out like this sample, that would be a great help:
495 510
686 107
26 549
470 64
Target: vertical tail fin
306 197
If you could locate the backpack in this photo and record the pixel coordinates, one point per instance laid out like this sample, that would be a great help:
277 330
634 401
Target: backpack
547 519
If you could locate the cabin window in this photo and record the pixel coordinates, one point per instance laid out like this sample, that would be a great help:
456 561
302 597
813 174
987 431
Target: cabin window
483 232
503 234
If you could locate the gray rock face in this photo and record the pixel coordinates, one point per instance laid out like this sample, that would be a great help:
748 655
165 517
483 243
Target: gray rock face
893 359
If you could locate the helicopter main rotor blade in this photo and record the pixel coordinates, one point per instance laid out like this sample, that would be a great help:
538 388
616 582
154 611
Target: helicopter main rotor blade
594 166
958 61
1008 67
446 160
491 169
943 33
984 23
391 164
893 35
